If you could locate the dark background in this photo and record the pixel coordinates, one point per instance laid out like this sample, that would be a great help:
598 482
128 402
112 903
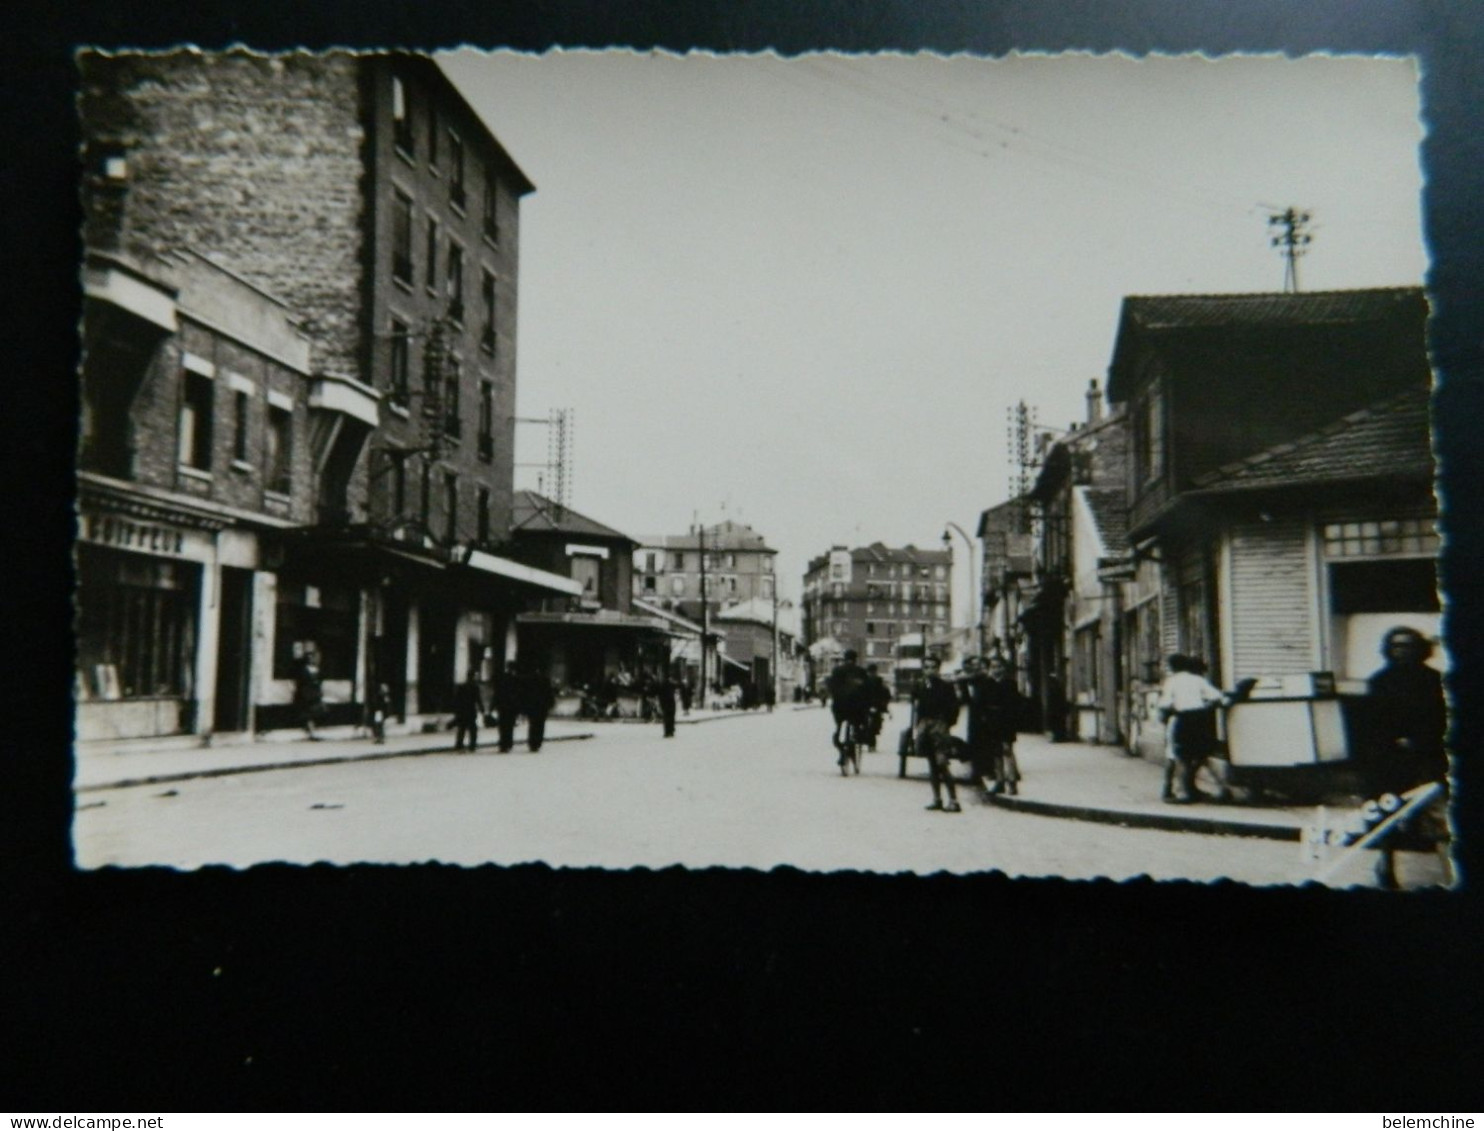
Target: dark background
441 988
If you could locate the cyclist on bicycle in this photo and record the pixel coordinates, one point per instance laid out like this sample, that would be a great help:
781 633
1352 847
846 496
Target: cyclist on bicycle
849 701
878 704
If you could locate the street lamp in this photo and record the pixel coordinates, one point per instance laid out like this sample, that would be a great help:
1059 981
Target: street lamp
976 619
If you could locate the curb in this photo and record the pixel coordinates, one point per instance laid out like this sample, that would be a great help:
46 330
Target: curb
717 718
1164 822
333 760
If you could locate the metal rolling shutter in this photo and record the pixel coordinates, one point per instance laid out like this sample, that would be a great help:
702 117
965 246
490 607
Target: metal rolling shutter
1272 631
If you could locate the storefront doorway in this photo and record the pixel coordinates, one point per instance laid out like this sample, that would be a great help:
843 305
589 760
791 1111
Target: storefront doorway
234 651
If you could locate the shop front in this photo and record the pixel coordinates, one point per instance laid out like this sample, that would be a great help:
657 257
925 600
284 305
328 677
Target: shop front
165 617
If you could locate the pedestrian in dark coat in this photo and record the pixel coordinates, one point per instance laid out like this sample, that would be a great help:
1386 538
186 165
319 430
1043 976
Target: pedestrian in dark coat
666 692
376 712
994 706
1407 717
935 707
878 697
309 694
537 698
468 709
506 702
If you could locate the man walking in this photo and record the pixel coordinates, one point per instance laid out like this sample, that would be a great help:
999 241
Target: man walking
1188 704
935 705
468 708
507 706
536 701
666 693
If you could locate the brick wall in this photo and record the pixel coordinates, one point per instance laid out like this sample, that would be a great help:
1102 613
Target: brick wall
284 170
257 160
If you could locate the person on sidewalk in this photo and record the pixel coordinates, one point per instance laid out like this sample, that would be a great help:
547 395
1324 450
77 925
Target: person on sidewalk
665 693
506 702
1187 705
309 694
536 701
994 706
1408 718
468 709
376 712
935 709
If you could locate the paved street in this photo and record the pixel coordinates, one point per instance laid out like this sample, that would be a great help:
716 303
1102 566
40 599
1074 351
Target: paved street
752 791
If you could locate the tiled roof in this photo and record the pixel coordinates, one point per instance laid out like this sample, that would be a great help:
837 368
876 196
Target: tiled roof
1145 314
1312 308
1109 509
533 513
879 552
1389 439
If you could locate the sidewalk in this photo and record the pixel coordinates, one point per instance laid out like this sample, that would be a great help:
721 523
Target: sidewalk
1104 784
113 764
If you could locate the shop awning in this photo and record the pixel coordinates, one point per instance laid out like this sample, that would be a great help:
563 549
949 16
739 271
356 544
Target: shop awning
516 571
599 619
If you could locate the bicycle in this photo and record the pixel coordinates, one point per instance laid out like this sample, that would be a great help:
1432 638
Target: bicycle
849 747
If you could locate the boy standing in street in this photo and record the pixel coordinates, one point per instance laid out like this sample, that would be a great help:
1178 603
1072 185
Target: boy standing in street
935 705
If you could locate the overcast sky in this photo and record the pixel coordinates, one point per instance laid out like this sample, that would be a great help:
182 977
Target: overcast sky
803 293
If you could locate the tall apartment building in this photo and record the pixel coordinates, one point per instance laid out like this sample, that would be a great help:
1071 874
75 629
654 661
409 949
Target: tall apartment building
370 201
740 566
867 598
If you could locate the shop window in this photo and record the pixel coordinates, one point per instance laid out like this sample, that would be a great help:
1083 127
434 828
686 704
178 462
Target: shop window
586 571
280 454
1085 661
1396 537
321 619
195 421
136 625
1384 586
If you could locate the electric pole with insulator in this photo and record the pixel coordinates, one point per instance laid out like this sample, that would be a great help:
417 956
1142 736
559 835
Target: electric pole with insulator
1291 243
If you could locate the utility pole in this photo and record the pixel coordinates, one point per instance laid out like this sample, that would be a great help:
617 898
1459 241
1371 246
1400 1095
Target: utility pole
1291 243
777 683
705 611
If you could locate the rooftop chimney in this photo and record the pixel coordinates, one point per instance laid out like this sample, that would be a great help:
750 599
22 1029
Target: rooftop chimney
1094 402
